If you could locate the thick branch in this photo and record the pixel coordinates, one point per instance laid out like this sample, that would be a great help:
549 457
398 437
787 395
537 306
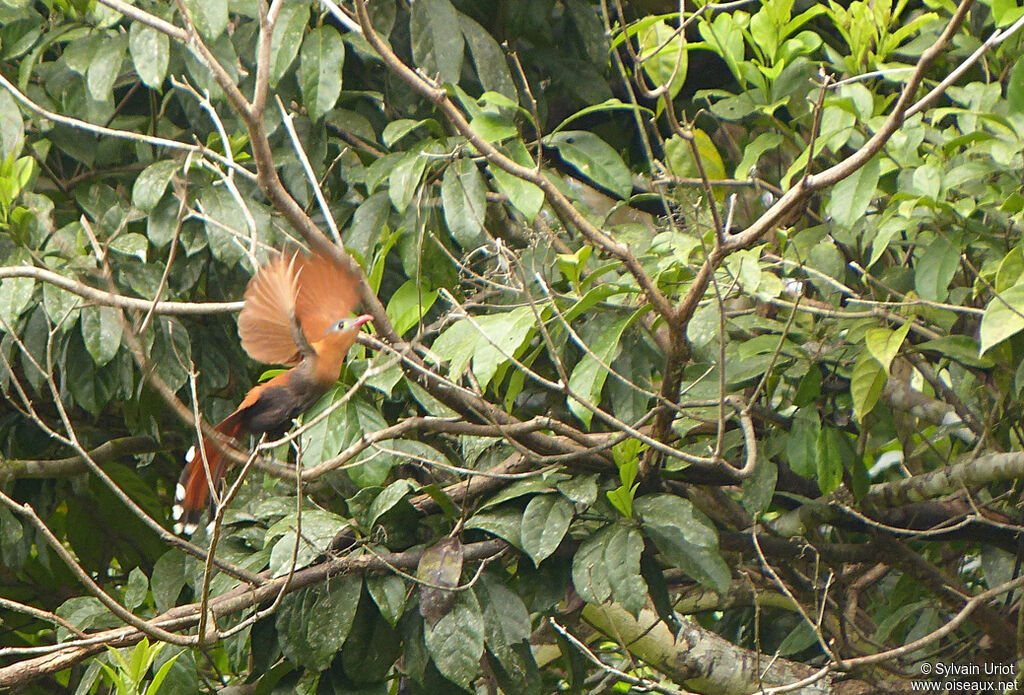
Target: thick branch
13 469
232 602
118 301
981 471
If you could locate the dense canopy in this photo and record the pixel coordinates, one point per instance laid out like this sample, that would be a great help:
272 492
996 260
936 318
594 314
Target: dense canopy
695 363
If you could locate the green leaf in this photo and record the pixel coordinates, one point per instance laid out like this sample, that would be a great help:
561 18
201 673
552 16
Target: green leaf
456 640
580 489
809 389
525 197
622 498
1006 12
866 384
171 351
664 56
313 623
1003 317
437 43
317 530
396 130
959 348
545 523
151 184
927 180
678 516
136 589
830 462
368 223
1015 88
320 64
798 640
226 223
405 178
105 66
607 566
884 344
745 268
595 159
388 498
685 537
150 51
759 488
15 296
464 195
704 326
209 16
389 592
589 568
937 263
455 345
168 579
886 231
588 376
287 38
752 153
494 126
485 341
91 388
679 156
506 620
101 332
162 221
488 58
1011 269
623 549
17 37
161 675
703 564
142 657
369 653
826 257
408 305
12 127
503 522
851 196
130 244
607 105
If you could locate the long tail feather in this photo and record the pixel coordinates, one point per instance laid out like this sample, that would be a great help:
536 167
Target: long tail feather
193 490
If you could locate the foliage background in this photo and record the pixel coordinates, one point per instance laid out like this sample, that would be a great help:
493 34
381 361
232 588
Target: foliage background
695 363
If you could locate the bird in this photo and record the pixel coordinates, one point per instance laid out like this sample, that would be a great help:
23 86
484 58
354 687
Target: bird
296 312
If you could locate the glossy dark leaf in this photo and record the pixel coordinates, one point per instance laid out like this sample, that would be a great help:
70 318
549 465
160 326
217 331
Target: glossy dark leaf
439 567
456 640
545 522
437 41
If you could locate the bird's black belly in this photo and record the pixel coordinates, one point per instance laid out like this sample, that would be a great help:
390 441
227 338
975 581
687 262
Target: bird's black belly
275 409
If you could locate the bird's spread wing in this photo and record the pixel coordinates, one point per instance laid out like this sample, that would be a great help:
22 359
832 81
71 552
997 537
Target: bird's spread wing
290 302
265 324
327 293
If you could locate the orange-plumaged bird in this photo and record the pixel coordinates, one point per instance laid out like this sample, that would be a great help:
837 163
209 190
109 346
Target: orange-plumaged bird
296 313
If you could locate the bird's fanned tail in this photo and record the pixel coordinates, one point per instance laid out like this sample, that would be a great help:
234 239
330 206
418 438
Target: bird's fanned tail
192 493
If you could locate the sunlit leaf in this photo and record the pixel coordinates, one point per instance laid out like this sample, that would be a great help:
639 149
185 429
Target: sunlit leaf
320 64
1003 317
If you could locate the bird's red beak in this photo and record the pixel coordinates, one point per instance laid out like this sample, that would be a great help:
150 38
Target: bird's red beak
364 318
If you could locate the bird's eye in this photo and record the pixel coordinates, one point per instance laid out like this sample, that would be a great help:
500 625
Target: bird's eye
340 325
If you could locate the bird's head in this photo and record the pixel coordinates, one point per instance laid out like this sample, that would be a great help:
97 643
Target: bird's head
341 334
349 324
335 344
